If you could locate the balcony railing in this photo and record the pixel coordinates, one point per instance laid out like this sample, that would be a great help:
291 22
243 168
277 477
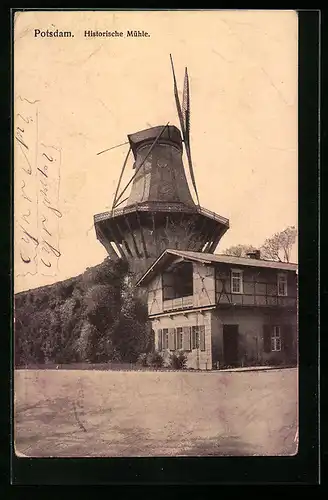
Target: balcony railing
179 303
160 207
249 300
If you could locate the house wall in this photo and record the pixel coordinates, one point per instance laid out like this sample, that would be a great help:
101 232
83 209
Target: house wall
204 285
197 359
250 341
155 296
249 310
259 287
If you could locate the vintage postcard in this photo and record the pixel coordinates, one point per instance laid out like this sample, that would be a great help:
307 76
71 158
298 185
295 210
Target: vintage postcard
155 233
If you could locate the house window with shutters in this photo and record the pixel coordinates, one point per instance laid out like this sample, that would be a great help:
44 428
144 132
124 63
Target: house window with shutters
186 338
282 285
236 281
179 338
276 339
195 337
165 338
171 339
198 337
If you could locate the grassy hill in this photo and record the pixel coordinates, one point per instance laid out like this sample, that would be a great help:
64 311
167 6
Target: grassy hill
96 317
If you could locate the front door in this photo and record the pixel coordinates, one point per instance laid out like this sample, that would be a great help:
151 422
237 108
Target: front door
230 345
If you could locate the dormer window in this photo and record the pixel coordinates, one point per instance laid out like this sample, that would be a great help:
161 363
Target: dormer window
282 284
236 281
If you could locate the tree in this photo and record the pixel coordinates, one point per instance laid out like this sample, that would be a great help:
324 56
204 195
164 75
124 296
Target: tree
279 246
95 317
239 250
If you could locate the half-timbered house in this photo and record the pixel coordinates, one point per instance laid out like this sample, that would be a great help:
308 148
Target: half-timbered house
223 311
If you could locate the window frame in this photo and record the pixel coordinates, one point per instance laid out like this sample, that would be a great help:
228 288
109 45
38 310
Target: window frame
165 342
179 337
282 278
179 287
276 339
240 272
195 335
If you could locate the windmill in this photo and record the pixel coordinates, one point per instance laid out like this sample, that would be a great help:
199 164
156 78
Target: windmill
184 118
159 212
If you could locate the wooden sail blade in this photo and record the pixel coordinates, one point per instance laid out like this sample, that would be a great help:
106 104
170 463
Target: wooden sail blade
177 100
191 170
186 105
184 117
121 175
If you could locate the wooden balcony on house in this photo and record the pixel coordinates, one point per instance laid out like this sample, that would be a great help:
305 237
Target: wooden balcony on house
256 294
178 303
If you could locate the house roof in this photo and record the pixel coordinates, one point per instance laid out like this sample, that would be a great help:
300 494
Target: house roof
208 258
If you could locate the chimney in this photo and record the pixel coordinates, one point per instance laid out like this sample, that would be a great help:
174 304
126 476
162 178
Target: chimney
256 254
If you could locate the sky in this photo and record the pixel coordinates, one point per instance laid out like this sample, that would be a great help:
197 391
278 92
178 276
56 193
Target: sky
92 92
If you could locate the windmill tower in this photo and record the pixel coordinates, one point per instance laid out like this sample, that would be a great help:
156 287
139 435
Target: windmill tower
159 212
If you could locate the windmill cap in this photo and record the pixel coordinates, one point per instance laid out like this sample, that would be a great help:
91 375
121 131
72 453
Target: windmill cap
171 135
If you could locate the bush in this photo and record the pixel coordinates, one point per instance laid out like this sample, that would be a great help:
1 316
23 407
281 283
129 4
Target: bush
155 359
178 360
143 359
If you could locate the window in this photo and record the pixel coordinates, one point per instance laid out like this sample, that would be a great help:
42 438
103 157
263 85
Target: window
165 338
236 281
198 337
195 337
282 285
276 339
178 282
179 338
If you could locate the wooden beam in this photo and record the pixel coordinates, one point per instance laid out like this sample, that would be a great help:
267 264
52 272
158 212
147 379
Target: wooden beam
210 241
133 238
214 243
190 240
142 236
113 147
120 203
123 239
154 232
120 179
121 252
202 233
107 244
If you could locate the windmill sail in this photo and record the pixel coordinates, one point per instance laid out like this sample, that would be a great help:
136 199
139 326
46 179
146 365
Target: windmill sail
186 105
177 101
184 117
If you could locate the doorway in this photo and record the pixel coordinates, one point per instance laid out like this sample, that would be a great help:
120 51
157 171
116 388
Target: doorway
230 345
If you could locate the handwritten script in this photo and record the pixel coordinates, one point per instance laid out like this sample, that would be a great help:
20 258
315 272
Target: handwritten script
36 202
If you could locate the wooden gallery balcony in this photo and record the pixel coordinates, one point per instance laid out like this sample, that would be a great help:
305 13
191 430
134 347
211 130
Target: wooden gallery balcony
253 293
178 303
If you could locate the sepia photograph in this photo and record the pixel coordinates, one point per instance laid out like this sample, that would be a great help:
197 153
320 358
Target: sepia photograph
155 233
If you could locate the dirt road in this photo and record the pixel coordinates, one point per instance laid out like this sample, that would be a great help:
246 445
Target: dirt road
67 413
